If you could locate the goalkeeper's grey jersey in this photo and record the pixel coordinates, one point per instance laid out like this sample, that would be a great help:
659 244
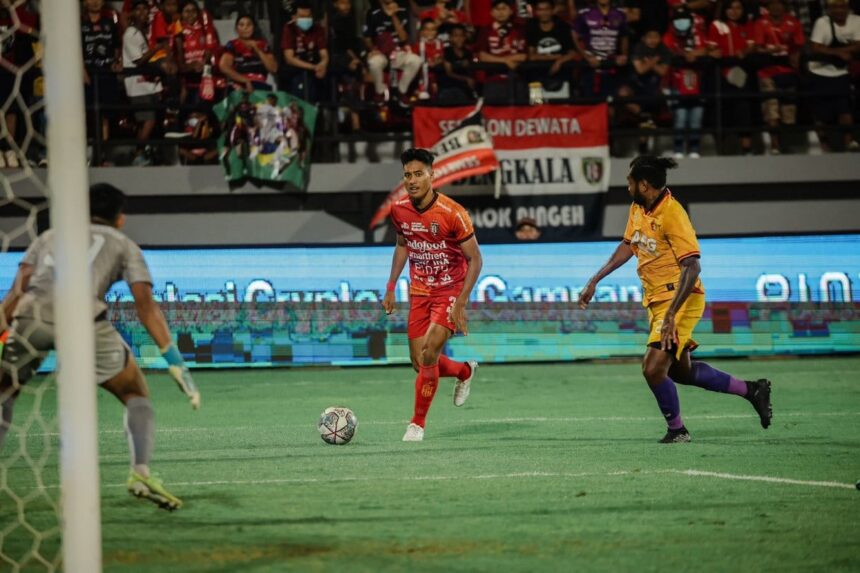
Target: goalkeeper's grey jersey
112 256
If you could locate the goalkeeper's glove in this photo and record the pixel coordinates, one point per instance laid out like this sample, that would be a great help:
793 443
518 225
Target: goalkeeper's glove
181 375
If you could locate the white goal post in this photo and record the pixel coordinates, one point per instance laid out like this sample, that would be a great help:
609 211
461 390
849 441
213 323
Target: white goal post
75 339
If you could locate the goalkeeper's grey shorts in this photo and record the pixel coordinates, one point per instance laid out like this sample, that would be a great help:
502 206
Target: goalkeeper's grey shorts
30 341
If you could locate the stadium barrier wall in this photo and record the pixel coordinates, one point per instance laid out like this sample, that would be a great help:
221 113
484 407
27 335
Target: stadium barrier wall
311 306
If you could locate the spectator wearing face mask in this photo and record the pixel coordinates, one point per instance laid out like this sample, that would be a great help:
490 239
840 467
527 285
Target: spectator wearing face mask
305 50
687 45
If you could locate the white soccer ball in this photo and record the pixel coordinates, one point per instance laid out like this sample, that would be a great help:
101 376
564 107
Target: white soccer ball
337 425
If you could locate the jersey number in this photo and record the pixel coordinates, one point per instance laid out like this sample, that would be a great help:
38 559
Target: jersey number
92 253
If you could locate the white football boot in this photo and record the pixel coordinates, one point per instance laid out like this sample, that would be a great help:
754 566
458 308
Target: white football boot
463 387
414 433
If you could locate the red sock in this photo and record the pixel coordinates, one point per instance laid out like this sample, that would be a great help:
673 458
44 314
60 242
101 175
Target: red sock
448 367
425 388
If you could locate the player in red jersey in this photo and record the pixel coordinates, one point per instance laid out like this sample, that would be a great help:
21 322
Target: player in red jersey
435 234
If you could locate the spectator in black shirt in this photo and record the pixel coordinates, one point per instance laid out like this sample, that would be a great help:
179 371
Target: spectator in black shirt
102 47
457 84
651 59
549 40
345 48
387 38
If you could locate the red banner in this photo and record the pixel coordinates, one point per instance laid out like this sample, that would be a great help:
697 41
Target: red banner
465 152
542 150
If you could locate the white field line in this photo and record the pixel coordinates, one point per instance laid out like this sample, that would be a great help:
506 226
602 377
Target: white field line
769 479
515 476
513 420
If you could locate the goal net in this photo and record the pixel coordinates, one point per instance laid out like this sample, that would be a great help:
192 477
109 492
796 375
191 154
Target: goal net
43 494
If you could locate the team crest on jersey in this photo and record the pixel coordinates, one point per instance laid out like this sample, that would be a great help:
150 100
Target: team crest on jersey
592 169
653 226
434 228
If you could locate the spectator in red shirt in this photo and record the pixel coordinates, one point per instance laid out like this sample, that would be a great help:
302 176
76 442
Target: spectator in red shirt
779 34
303 43
732 37
686 43
248 60
196 46
503 42
165 23
430 49
445 15
479 12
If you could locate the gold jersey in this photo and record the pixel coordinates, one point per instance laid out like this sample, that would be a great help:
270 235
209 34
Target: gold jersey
661 238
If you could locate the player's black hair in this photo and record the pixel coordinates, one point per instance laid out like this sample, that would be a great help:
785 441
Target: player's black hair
426 20
535 3
185 3
495 3
457 26
417 154
651 169
303 5
136 3
106 202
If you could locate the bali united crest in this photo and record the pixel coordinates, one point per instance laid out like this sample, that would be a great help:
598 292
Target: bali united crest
592 169
434 228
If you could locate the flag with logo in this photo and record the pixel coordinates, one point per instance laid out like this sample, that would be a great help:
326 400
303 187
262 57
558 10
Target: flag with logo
464 151
266 136
553 167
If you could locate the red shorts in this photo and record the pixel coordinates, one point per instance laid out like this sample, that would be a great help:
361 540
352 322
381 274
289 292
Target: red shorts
426 309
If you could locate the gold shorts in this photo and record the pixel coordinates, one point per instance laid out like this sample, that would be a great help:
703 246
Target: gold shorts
686 319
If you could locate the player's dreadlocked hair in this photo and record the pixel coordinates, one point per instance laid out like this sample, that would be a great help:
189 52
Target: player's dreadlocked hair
106 202
425 156
651 169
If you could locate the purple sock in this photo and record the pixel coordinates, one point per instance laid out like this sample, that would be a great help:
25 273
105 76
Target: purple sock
709 378
667 399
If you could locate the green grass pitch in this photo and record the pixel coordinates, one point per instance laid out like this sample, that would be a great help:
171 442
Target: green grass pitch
546 468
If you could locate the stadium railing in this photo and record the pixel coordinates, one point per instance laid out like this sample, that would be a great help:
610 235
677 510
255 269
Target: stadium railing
397 126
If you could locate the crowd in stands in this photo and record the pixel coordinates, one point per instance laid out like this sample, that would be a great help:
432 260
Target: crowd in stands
662 63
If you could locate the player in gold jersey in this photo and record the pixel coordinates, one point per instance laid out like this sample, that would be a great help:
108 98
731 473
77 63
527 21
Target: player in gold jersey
660 235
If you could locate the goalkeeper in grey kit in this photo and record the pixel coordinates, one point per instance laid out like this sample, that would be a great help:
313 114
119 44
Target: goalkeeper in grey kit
29 308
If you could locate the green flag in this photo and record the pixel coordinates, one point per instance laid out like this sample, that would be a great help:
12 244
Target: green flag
266 136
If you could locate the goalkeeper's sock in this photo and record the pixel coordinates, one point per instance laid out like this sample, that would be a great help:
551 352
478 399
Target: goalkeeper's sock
6 417
425 388
140 428
448 367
